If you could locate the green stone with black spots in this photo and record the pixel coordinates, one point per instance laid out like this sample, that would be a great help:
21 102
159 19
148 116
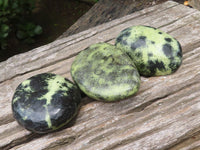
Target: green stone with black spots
104 72
153 51
45 102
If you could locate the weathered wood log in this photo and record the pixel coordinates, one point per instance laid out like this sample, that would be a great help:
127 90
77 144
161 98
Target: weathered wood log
105 11
165 113
194 3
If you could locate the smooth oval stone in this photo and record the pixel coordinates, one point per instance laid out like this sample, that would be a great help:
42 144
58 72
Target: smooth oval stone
105 73
45 102
154 52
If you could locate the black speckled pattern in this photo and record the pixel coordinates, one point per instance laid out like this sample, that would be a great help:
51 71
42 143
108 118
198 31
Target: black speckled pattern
45 102
153 51
104 72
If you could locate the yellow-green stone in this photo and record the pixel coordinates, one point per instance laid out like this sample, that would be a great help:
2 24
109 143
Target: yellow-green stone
153 51
45 102
104 72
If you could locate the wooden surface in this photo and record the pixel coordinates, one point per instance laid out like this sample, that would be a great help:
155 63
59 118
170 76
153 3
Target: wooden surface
165 113
106 10
194 3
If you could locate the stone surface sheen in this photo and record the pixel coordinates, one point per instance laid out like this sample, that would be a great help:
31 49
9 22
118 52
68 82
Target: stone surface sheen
45 102
104 72
153 51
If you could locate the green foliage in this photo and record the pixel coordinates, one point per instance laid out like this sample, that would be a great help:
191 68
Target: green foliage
4 29
14 17
27 31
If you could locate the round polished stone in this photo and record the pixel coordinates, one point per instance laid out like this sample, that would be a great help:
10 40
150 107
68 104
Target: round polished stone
104 72
153 51
45 102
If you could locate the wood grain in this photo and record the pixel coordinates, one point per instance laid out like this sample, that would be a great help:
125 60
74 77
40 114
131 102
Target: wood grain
105 11
164 114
